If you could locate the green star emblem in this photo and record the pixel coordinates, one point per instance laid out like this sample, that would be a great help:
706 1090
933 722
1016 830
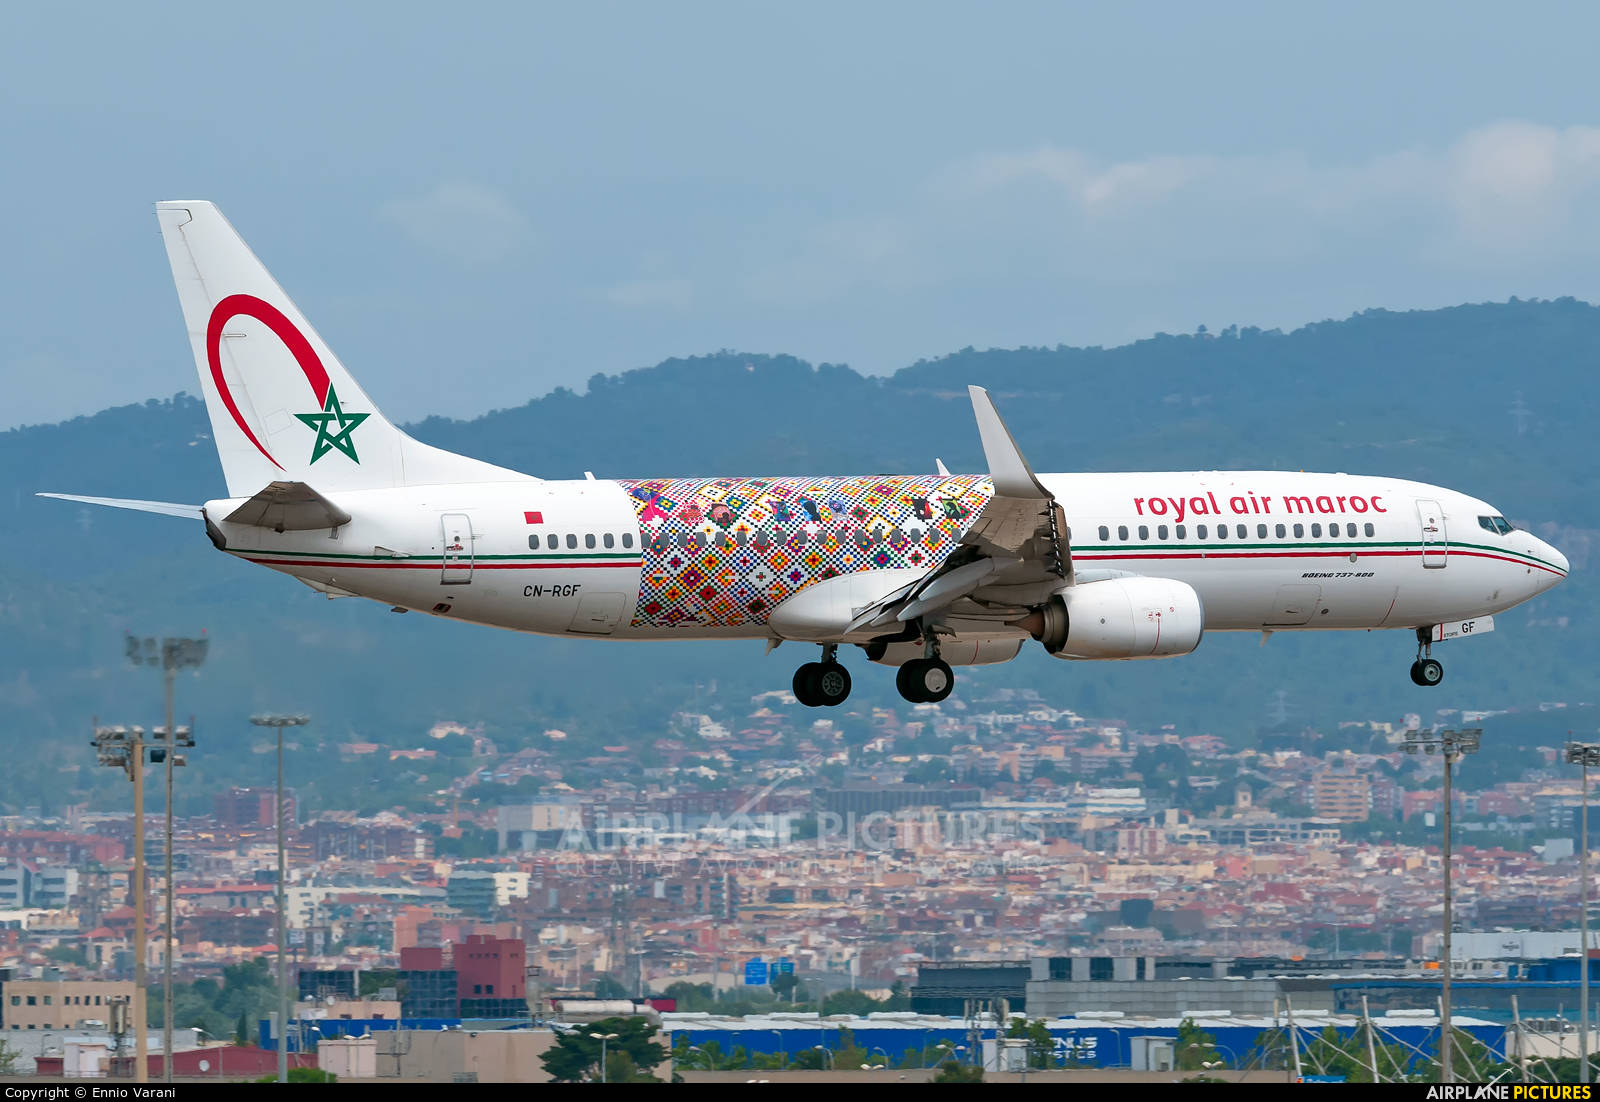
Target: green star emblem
328 440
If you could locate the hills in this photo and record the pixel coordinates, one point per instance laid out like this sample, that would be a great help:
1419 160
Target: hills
1494 399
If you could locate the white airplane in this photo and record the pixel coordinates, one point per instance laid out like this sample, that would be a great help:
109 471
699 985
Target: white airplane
922 572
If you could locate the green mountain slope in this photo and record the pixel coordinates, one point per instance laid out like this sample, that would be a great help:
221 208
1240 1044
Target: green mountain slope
1426 395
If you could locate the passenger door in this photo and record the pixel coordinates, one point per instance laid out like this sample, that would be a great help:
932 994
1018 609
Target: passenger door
1435 540
456 530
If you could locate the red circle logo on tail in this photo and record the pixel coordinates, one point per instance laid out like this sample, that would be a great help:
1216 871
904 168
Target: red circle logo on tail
273 318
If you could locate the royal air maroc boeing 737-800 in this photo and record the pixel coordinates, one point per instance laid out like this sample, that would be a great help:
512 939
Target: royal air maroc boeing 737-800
922 572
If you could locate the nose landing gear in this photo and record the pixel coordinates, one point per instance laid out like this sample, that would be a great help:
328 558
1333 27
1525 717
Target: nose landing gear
823 684
1426 670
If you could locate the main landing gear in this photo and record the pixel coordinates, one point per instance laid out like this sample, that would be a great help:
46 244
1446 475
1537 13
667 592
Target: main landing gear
1426 670
926 680
822 684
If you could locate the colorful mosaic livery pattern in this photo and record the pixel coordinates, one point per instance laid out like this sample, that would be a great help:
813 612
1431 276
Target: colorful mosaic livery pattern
723 552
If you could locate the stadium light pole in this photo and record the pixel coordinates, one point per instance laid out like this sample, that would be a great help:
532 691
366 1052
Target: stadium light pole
123 747
1452 746
1583 754
173 654
279 722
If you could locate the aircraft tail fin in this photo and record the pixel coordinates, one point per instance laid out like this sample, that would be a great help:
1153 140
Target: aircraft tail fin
282 406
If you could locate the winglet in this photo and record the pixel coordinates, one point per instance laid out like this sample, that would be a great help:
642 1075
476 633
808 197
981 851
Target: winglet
938 465
1008 470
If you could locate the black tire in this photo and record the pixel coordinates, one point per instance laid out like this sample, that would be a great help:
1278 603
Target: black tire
1429 672
805 684
1416 672
908 680
830 684
936 680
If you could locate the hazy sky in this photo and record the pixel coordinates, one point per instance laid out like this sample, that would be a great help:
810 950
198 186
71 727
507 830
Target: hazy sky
475 203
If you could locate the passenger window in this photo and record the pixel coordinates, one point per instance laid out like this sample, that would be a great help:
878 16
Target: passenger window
916 535
759 540
1316 530
1299 531
588 540
533 543
1350 529
1105 533
572 542
1261 531
683 539
1222 531
552 542
608 540
1180 531
1281 532
723 541
1200 531
1144 532
1242 531
627 540
1161 531
1370 531
1122 532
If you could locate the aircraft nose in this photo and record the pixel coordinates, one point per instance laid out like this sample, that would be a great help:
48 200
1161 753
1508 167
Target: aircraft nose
1557 561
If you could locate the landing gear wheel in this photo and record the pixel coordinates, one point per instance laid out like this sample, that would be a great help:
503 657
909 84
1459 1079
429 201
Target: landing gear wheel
925 680
805 684
1427 672
905 681
830 684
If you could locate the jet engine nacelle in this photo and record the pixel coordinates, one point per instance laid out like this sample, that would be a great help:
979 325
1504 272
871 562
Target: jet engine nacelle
957 652
1120 618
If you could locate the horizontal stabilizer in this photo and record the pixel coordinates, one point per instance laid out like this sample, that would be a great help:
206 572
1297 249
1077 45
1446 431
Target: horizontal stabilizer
289 507
165 508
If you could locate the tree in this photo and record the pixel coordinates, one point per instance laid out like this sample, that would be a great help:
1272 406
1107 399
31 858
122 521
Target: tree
241 1029
8 1058
608 987
576 1055
1196 1048
303 1075
1345 1054
952 1072
849 1002
849 1054
1041 1047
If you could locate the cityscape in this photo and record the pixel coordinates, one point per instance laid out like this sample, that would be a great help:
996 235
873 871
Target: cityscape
757 869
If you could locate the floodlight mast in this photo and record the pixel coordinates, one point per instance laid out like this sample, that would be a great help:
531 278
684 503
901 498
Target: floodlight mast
174 654
1452 746
1583 754
279 722
123 748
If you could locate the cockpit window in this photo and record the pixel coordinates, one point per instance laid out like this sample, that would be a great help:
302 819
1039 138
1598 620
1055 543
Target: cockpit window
1498 525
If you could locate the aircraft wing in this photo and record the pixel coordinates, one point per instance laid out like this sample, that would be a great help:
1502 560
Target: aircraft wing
1019 537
